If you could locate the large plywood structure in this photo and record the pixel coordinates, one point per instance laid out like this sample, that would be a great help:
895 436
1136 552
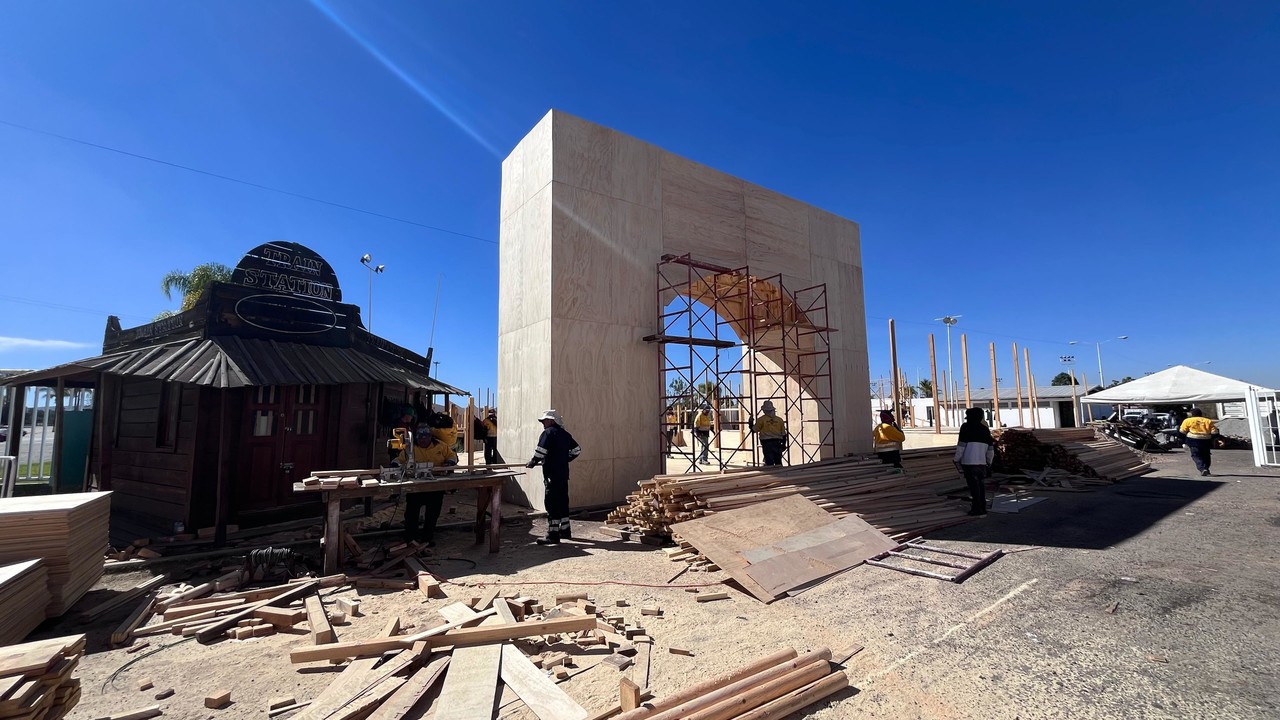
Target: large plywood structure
587 214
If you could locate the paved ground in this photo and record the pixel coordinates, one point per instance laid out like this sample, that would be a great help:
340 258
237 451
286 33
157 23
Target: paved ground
1191 562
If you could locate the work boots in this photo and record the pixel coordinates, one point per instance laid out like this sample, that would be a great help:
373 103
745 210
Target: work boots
552 538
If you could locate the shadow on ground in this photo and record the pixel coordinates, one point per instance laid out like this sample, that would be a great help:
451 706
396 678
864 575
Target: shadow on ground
1093 520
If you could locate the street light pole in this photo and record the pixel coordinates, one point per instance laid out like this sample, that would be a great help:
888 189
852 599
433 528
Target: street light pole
949 320
1102 381
367 261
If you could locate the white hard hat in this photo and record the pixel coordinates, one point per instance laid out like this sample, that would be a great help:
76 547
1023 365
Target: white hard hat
550 415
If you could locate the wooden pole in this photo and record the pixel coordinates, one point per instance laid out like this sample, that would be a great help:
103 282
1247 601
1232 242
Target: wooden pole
995 390
467 433
933 369
1084 382
964 361
1075 406
893 362
1017 385
1031 389
946 397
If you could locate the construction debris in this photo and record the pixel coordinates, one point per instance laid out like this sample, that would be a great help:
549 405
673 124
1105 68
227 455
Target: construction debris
909 562
35 678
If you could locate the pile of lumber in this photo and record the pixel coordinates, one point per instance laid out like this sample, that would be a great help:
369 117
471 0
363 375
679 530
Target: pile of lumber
1075 450
24 595
770 688
36 681
69 532
897 504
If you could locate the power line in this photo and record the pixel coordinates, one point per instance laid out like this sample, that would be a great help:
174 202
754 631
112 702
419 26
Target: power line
258 186
69 308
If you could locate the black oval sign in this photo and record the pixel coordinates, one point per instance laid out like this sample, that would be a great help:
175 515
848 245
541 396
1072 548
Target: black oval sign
286 314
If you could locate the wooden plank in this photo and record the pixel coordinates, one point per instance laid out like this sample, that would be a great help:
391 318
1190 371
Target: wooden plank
538 691
367 648
136 618
487 598
499 633
402 701
504 611
628 694
218 628
353 679
471 687
321 631
457 612
119 599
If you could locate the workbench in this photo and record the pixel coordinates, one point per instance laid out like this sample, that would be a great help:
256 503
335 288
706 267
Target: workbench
488 486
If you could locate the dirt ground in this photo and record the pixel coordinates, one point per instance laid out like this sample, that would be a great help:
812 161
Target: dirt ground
1191 562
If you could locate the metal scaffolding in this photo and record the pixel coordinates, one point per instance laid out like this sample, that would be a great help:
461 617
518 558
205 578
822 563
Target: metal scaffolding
729 341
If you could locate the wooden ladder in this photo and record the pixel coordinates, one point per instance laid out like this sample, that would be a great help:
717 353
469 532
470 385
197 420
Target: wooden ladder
978 561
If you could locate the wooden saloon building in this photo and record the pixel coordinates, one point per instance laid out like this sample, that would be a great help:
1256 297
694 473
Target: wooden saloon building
208 417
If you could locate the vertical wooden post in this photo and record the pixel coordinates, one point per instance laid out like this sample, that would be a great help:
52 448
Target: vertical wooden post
1075 406
468 436
1017 385
222 493
946 397
933 369
995 390
55 467
1032 393
964 361
893 362
1084 382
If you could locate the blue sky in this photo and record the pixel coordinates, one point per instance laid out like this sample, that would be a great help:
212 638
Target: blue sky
1050 171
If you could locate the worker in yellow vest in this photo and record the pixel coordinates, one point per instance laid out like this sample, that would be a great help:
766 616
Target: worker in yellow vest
888 438
427 448
772 432
1199 431
702 431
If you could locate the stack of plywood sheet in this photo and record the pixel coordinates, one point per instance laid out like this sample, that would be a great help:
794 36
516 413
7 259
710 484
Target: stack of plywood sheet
68 531
898 504
36 678
24 595
1096 461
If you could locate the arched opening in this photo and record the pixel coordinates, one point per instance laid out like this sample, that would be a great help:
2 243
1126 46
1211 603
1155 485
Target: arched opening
729 342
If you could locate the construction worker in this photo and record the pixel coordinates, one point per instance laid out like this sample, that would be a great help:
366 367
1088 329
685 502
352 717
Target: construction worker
671 426
888 438
427 449
1199 431
974 453
556 449
702 432
772 432
491 456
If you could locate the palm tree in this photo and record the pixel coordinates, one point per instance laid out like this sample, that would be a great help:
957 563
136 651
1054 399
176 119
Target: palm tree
926 388
192 284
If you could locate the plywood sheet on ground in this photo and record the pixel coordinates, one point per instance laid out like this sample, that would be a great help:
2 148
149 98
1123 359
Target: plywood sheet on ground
776 546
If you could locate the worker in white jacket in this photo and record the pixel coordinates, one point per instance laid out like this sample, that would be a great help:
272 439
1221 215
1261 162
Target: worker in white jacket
974 453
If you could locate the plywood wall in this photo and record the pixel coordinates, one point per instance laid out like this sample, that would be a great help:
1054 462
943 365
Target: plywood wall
587 214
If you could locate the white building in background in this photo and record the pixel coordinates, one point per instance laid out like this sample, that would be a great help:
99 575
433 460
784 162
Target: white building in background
1054 408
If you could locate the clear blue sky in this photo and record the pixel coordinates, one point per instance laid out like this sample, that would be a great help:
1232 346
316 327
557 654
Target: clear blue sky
1051 171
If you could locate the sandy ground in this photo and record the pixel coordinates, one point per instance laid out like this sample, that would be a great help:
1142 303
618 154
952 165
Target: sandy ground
1192 563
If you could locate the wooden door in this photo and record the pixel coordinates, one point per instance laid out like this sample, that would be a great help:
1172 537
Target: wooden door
282 442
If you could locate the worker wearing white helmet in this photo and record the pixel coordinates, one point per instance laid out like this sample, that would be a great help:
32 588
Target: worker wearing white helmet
556 449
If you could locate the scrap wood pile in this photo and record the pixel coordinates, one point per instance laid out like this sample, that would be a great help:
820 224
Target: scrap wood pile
69 532
1088 460
36 681
898 504
495 645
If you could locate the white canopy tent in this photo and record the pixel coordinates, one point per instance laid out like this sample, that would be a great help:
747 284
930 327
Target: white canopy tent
1182 384
1178 384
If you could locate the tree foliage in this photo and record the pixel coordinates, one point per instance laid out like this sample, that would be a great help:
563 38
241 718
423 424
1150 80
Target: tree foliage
1063 378
192 284
926 388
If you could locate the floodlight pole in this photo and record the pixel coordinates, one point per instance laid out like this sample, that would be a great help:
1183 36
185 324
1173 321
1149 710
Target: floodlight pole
367 261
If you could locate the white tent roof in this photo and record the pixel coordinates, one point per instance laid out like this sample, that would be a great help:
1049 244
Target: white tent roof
1178 384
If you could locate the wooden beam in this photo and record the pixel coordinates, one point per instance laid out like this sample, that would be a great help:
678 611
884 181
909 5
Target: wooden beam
893 366
402 701
471 686
995 390
1031 388
373 648
933 369
321 631
1017 385
628 694
539 692
498 633
964 362
748 671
